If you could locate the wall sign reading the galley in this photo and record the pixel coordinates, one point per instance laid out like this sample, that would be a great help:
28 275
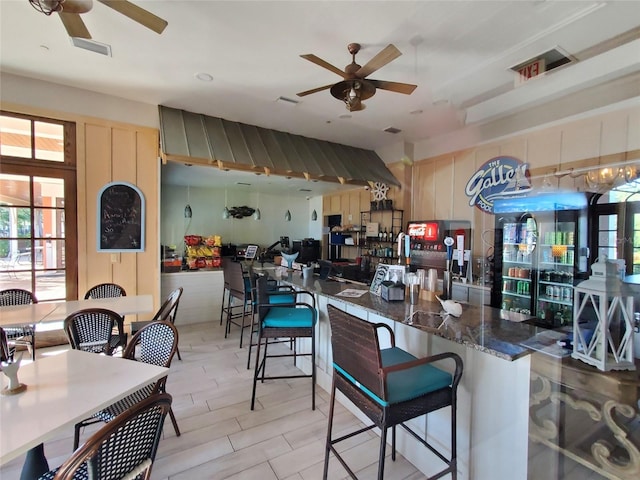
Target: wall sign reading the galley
498 178
120 218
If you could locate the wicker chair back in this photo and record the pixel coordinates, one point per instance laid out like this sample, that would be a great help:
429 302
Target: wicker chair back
105 290
127 444
356 350
16 296
90 329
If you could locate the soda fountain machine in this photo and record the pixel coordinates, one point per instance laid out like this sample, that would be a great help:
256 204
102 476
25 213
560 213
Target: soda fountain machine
428 249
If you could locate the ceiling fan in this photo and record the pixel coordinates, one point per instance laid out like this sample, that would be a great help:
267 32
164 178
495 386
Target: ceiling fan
70 10
356 87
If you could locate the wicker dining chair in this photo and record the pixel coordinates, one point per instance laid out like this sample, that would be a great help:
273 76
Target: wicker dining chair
156 344
124 448
5 353
24 335
90 329
390 386
288 320
111 290
168 311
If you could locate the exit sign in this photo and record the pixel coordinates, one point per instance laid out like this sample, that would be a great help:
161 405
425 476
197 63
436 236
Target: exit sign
530 70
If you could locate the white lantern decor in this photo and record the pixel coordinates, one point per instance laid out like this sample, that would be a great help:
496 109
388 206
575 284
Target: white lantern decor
603 319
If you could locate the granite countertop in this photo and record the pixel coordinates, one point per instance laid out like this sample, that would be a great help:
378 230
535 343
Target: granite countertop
490 330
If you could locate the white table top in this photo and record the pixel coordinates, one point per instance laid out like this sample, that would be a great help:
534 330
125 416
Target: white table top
123 305
62 390
25 314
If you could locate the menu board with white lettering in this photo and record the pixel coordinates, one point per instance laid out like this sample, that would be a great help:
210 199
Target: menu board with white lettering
120 218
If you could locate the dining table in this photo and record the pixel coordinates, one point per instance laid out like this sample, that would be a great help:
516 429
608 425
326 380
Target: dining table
49 312
63 389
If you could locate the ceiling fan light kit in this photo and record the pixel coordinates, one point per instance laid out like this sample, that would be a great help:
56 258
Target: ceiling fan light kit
355 88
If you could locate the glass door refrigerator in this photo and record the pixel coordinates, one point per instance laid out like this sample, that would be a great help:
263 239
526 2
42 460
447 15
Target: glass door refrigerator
517 242
557 266
543 243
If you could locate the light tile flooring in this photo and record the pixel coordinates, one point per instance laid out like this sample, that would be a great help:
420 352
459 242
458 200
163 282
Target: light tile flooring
282 439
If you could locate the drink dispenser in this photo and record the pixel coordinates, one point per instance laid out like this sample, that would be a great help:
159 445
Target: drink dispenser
428 250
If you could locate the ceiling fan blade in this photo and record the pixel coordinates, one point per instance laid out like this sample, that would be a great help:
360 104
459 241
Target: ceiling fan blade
74 25
313 90
405 88
386 55
318 61
137 14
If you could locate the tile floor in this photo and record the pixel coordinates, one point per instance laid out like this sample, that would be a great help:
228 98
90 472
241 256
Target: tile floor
282 439
223 439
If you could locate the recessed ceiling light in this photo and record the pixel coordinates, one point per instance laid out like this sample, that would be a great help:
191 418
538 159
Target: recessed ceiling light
416 112
44 48
393 130
344 116
204 77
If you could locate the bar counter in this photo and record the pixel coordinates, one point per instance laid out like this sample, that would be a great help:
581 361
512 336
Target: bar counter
489 330
493 396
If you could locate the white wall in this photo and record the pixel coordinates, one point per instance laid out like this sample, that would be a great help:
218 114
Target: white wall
207 205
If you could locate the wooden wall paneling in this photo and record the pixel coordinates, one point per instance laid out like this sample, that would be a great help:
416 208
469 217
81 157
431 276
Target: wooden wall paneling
124 159
365 200
581 140
344 207
98 173
326 204
443 188
485 154
335 204
81 204
423 191
148 180
543 149
516 148
463 169
354 208
633 126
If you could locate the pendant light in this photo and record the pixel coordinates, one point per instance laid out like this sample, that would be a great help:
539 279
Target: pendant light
225 212
187 209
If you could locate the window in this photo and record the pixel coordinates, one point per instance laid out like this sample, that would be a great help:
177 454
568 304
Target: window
617 231
38 233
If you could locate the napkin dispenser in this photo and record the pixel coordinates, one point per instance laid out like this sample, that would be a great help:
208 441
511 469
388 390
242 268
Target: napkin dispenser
392 291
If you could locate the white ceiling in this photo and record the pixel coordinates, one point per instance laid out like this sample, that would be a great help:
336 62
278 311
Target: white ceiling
458 53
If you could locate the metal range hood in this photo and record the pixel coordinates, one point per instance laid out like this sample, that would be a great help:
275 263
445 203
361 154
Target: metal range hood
200 139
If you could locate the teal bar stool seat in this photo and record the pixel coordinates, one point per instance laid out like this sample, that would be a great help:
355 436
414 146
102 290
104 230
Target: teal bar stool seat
285 320
390 386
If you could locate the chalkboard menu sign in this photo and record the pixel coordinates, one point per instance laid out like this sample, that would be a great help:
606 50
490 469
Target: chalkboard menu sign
120 218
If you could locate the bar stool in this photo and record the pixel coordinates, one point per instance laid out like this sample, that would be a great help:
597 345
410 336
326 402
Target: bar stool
289 320
390 386
240 291
278 294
